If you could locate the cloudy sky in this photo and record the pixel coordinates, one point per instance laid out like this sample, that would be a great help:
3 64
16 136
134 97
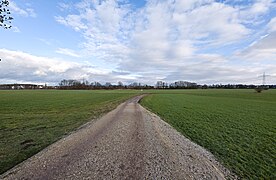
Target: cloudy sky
204 41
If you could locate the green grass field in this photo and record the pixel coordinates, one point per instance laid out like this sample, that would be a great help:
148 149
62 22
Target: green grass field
31 120
237 126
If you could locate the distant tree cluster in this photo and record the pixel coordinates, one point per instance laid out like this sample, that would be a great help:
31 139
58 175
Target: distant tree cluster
191 85
73 84
176 85
84 84
5 15
233 86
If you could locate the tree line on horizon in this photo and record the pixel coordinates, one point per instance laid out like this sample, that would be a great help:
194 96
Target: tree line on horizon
84 84
68 84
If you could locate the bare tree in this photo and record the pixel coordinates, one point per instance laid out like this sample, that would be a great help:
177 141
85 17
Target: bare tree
120 84
5 15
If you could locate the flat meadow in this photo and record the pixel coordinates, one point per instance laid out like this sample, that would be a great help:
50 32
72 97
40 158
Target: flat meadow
237 126
30 120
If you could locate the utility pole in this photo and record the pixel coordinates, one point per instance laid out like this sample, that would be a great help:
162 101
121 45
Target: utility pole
264 79
259 89
264 76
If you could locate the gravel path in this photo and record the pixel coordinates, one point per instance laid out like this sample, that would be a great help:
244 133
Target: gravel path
127 143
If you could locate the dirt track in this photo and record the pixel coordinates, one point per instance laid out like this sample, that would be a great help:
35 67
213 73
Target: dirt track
127 143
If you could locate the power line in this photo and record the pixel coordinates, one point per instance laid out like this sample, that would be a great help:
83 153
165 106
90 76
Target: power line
264 78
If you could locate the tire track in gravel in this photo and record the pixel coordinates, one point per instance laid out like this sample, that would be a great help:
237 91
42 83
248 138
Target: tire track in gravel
127 143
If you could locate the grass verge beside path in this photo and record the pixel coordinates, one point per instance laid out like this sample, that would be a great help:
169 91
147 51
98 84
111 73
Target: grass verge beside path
237 126
31 120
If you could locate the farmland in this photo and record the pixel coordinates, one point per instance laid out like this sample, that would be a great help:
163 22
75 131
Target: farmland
237 126
31 120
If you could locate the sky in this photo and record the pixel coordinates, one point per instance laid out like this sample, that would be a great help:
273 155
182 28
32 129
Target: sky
202 41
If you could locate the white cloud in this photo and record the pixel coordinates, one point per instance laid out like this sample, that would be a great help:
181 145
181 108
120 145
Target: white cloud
16 29
165 39
21 67
162 40
21 11
272 25
261 7
215 23
158 26
253 13
188 5
68 52
17 65
261 51
45 41
65 6
73 21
